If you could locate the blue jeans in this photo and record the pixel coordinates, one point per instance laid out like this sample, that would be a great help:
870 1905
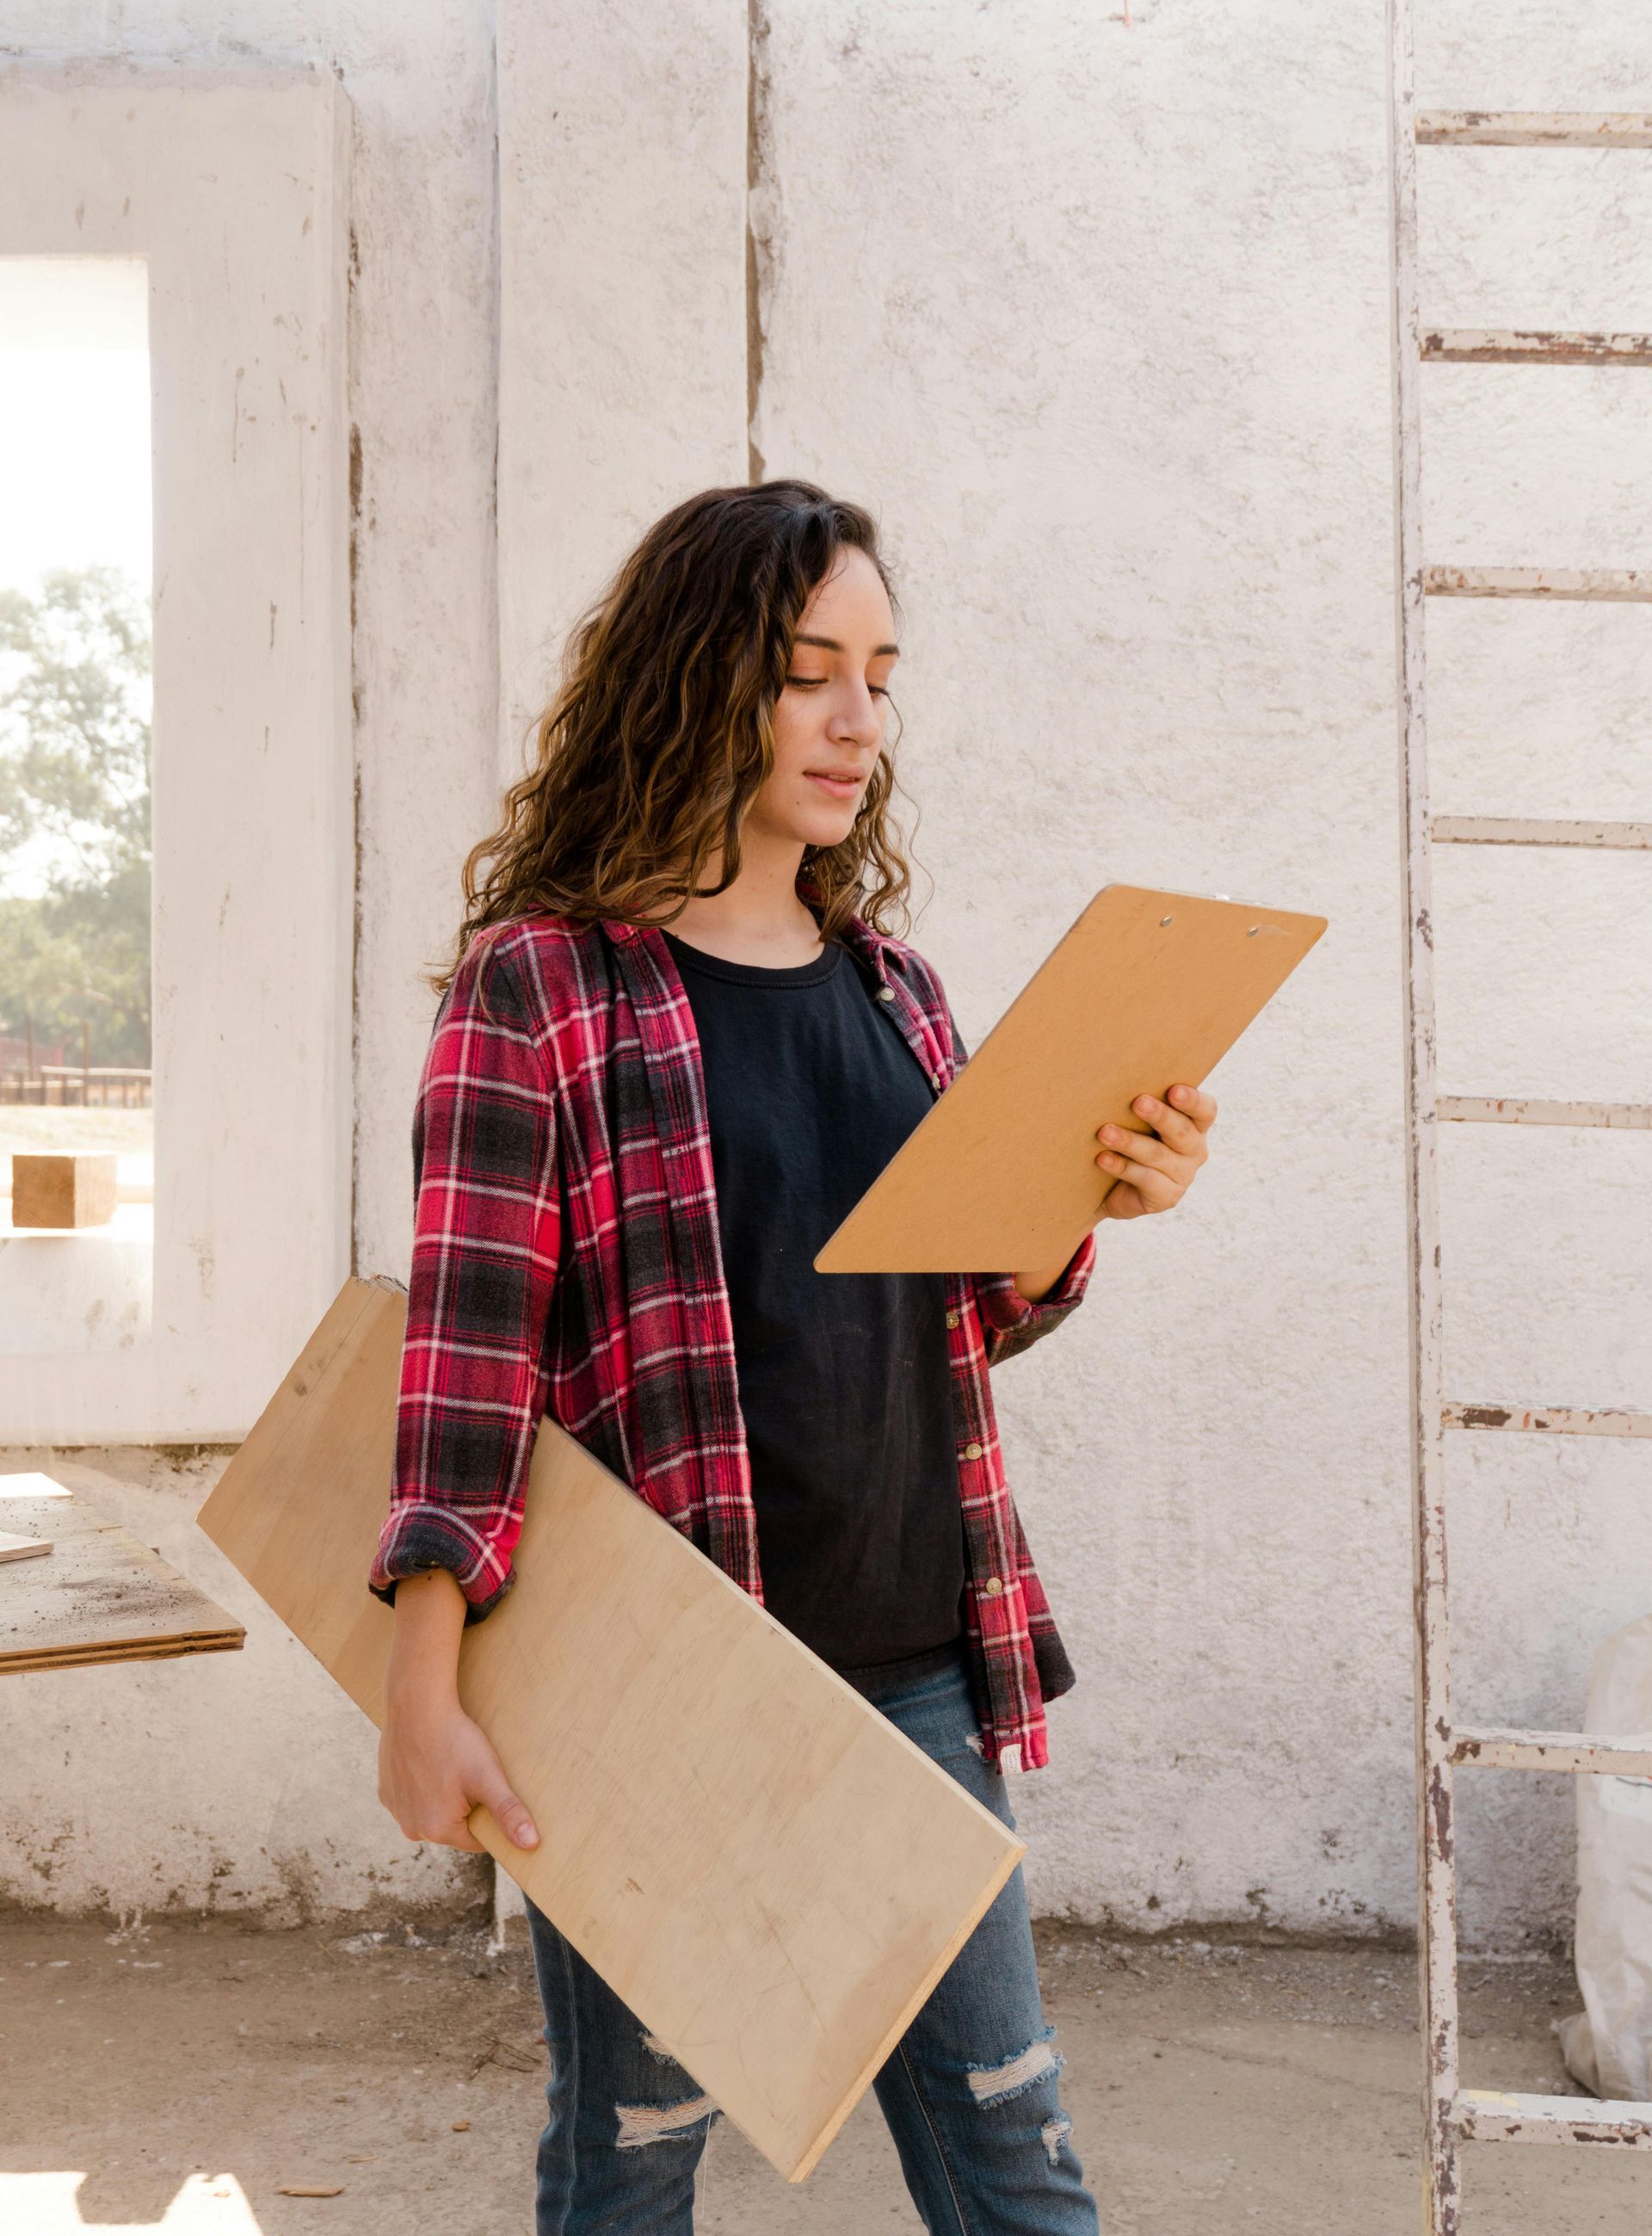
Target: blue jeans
970 2091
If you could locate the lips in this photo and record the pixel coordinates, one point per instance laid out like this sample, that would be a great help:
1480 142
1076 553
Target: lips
840 783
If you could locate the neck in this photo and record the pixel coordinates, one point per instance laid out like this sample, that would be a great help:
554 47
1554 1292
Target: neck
761 917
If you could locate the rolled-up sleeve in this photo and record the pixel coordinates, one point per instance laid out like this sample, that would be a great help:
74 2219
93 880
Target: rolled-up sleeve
1010 1322
487 1232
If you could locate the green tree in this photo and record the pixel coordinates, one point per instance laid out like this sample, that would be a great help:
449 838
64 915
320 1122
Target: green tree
74 855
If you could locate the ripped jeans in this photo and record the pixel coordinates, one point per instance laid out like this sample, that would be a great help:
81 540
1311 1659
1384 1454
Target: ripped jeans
970 2092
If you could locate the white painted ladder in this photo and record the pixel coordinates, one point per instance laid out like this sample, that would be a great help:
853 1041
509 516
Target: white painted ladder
1455 2114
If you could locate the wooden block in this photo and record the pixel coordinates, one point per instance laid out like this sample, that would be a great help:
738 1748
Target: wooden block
767 1872
1147 988
102 1596
66 1191
22 1548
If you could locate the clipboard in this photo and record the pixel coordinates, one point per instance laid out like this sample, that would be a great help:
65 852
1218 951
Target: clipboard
755 1860
1147 989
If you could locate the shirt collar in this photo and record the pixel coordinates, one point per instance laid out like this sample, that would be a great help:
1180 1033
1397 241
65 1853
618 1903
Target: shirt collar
874 948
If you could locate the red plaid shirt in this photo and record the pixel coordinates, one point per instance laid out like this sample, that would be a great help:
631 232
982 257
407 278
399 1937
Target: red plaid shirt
566 1259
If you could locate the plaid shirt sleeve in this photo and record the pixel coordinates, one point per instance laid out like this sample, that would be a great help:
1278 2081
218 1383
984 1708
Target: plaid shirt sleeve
486 1234
1010 1322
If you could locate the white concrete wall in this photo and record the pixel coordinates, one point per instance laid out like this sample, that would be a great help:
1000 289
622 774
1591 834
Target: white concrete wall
422 289
1096 317
252 791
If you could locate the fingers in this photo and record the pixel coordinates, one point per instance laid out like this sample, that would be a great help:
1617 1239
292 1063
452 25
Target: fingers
455 1832
1193 1102
1159 1189
508 1810
1129 1154
435 1771
1174 1128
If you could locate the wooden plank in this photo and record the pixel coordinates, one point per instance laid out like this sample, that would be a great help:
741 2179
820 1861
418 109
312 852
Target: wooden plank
1431 1691
766 1871
1492 2115
1537 831
102 1596
1531 1110
1610 585
49 1190
1549 1420
22 1548
1576 1753
172 1649
1531 345
1147 988
1513 128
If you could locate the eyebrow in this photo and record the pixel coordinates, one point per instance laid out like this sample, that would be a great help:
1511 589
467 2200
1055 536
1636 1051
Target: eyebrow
830 644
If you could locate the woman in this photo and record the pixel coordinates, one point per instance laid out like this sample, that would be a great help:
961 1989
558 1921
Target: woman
629 1143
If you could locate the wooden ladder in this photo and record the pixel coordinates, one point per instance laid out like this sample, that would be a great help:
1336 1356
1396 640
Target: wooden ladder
1455 2114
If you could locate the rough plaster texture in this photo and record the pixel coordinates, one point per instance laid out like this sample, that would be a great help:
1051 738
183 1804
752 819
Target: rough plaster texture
1097 317
222 1783
622 285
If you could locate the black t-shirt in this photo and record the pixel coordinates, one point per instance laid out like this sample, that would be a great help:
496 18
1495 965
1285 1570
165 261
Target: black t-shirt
844 1384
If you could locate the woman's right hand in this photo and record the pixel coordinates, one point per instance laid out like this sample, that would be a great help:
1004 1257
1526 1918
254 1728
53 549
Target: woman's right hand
435 1766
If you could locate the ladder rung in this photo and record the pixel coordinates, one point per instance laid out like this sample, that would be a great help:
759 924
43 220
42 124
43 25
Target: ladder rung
1575 1751
1486 2115
1515 127
1526 1110
1621 585
1531 831
1549 1420
1520 345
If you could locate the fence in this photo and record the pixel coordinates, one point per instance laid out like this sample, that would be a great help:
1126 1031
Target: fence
65 1086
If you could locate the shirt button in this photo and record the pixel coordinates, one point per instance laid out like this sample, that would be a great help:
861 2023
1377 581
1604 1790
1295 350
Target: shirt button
886 993
952 1319
993 1586
934 1079
972 1452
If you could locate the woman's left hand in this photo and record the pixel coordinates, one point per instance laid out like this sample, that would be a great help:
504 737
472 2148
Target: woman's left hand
1155 1170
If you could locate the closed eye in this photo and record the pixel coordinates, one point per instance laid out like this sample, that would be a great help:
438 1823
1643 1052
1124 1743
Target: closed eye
814 682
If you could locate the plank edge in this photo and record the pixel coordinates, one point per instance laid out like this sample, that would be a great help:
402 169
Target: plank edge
862 2081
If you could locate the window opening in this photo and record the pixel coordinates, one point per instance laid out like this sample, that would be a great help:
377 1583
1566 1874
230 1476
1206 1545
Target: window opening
76 1053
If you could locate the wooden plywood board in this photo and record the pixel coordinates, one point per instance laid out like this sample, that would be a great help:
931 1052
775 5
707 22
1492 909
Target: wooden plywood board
1148 988
22 1548
102 1596
760 1865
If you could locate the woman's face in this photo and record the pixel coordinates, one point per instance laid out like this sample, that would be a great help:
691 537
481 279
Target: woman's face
829 721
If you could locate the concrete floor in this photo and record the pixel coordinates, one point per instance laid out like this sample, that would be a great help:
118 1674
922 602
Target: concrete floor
178 2076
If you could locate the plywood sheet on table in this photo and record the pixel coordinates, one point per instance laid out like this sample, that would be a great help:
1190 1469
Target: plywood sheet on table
769 1873
99 1595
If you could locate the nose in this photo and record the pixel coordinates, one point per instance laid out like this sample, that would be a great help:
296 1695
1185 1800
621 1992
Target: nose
857 718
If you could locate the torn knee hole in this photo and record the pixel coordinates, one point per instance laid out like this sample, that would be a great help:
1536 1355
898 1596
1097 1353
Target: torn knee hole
661 2123
1052 2135
996 2084
655 2047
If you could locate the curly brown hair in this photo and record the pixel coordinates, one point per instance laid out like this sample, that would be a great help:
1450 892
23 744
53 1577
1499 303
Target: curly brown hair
648 757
